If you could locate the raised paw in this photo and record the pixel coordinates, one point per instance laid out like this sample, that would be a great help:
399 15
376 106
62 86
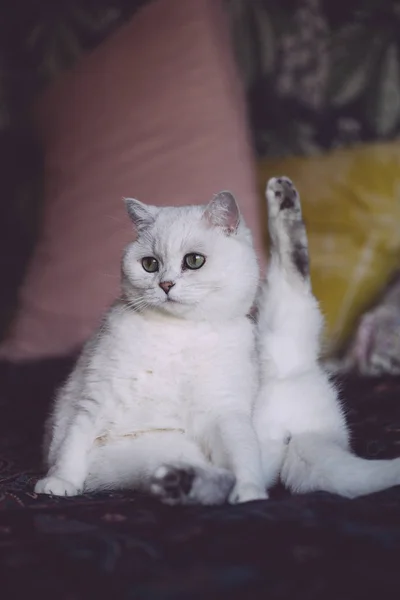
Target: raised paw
287 230
55 486
283 196
172 485
247 493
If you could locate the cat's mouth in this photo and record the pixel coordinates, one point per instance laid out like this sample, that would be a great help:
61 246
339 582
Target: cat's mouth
170 300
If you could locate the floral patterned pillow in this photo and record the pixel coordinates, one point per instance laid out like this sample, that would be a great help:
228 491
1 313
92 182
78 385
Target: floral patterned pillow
319 74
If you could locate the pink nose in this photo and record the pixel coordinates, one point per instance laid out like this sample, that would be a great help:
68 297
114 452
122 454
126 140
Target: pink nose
166 286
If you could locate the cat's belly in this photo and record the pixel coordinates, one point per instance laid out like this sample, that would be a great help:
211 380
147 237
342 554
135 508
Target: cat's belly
148 395
148 401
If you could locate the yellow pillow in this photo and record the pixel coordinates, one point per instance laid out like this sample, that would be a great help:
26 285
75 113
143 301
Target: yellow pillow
351 207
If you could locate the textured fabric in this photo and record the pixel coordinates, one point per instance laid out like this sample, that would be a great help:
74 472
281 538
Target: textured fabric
375 347
155 112
319 74
130 546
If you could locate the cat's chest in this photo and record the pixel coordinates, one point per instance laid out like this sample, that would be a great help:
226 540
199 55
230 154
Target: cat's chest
160 364
158 360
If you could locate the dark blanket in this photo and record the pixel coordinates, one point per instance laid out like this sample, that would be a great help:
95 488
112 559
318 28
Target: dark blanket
130 546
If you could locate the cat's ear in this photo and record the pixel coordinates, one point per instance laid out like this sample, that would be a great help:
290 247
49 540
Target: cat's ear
223 212
142 215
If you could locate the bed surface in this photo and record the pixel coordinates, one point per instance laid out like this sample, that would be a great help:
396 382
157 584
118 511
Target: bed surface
129 546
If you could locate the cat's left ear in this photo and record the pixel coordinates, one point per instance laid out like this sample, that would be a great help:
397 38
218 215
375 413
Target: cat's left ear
223 212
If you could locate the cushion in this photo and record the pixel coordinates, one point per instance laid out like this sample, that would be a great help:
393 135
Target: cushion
155 112
351 206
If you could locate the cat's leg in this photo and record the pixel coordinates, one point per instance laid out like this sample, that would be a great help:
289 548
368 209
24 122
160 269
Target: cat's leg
289 319
271 431
289 322
273 454
68 457
166 464
235 446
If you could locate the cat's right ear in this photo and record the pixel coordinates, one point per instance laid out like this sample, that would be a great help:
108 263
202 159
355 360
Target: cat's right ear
223 212
142 215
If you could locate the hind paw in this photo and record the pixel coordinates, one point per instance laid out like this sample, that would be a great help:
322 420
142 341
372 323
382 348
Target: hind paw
192 485
172 485
283 198
287 230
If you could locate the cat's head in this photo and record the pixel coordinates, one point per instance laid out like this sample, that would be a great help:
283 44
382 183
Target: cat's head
195 262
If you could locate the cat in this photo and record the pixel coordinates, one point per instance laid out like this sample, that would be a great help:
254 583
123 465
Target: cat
161 397
298 416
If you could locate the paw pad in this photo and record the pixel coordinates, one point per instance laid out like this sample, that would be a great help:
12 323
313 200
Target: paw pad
283 190
178 481
287 203
172 484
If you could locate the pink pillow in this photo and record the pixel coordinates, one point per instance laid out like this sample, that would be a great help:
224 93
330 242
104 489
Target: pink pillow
156 112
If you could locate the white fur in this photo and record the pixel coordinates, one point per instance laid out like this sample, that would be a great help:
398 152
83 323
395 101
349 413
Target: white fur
298 416
168 382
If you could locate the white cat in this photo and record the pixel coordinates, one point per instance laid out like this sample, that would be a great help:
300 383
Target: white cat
298 416
161 398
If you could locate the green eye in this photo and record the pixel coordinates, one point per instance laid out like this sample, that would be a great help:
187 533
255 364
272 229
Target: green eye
193 261
150 264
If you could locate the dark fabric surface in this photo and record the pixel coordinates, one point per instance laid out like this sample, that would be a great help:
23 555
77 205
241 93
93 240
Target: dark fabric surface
130 546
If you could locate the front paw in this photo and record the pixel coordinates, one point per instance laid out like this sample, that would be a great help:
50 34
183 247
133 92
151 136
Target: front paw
55 486
247 493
